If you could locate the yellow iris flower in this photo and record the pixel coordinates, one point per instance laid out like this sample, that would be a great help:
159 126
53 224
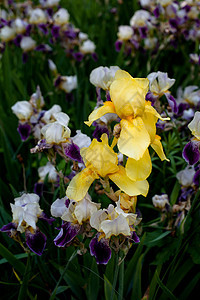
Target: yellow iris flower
138 122
101 161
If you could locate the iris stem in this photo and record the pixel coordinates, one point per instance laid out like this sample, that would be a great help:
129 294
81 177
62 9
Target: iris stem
121 280
115 276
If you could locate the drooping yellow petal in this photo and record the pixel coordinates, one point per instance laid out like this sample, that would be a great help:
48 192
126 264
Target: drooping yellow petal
139 169
158 148
108 107
100 156
134 138
128 94
150 109
130 187
80 184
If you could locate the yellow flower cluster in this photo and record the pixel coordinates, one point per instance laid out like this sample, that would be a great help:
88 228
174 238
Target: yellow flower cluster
137 131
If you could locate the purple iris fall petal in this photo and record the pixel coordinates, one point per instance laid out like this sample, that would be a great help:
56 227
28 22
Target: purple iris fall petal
43 28
100 249
143 32
156 12
151 97
196 179
172 102
118 45
24 131
78 56
55 31
28 29
99 130
36 241
191 152
94 56
17 40
181 108
57 81
44 217
73 152
185 193
24 57
134 237
98 93
67 234
8 227
38 188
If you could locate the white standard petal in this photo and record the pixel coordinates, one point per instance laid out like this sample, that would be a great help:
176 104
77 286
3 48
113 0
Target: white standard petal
125 32
115 227
87 47
53 133
62 118
81 139
26 199
130 217
103 76
27 43
61 17
85 209
68 83
58 207
22 109
97 218
185 177
48 169
194 125
49 113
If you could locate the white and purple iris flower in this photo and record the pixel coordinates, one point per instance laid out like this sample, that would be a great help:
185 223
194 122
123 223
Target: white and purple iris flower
26 212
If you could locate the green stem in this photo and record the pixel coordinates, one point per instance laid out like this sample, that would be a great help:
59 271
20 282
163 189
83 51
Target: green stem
121 281
115 276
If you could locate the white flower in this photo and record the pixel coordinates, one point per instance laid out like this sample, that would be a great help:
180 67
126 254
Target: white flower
159 83
125 32
159 201
194 57
164 3
58 207
81 139
113 221
108 118
87 47
150 43
185 177
37 16
49 113
58 131
27 43
103 76
80 211
20 25
188 114
7 34
146 3
52 66
22 109
82 36
193 13
194 125
26 211
49 3
68 83
61 17
140 18
49 170
191 94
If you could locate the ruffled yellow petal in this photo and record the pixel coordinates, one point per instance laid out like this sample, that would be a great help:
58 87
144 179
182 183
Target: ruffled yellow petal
100 157
108 107
158 148
80 184
128 94
139 169
130 187
134 138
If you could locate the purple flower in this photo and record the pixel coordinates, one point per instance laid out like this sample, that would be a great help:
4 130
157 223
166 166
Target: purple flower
36 241
43 28
17 40
143 32
55 31
78 56
94 56
99 130
73 152
44 217
196 178
24 131
38 188
67 233
172 102
100 249
191 152
118 45
134 237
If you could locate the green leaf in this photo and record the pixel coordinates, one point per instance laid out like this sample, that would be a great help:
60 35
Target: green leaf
17 265
175 193
137 285
93 282
14 192
154 282
24 286
61 289
108 290
168 293
188 291
164 234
